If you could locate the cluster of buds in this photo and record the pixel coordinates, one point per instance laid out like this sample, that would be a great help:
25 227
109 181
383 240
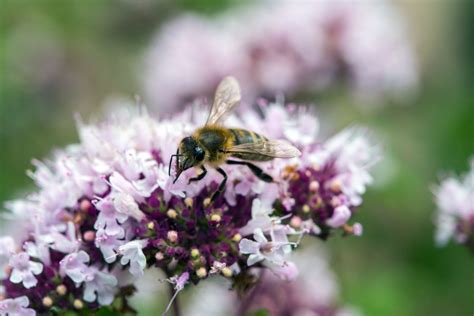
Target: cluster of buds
106 209
283 47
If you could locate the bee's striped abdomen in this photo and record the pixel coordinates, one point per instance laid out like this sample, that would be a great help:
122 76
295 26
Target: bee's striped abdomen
243 136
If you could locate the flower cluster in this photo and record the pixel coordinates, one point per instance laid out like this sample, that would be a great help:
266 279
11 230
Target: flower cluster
282 47
107 205
455 201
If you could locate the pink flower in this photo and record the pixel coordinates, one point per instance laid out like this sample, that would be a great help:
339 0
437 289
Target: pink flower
340 217
287 272
109 219
260 218
100 286
7 248
16 307
455 200
24 270
132 253
261 249
108 244
284 47
66 243
125 204
180 281
75 266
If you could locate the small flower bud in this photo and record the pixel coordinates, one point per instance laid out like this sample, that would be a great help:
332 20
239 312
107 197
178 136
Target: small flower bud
159 256
215 218
61 289
306 208
314 186
206 202
172 213
85 205
201 272
295 222
78 304
227 272
150 225
237 237
172 235
195 253
188 202
335 201
89 235
335 186
47 301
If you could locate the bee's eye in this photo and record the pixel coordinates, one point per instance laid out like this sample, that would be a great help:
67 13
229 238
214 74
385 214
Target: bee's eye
199 153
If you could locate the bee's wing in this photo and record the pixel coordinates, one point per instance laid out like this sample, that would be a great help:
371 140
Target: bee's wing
269 148
227 96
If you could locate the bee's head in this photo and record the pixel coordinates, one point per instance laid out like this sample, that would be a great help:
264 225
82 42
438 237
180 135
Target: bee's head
189 154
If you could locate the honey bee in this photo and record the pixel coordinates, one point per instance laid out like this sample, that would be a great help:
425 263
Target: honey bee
213 144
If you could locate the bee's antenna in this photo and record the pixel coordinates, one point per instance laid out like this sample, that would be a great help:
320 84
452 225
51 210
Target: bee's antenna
171 160
169 167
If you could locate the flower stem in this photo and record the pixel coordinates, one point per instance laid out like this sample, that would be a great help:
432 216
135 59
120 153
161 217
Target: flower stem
246 302
173 301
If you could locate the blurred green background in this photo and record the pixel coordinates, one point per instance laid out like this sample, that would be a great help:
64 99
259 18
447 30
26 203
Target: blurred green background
61 57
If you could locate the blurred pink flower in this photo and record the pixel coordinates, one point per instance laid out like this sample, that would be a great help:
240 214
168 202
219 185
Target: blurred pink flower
282 47
455 200
314 291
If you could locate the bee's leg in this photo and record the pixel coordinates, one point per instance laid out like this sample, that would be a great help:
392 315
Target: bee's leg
221 186
200 176
256 170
